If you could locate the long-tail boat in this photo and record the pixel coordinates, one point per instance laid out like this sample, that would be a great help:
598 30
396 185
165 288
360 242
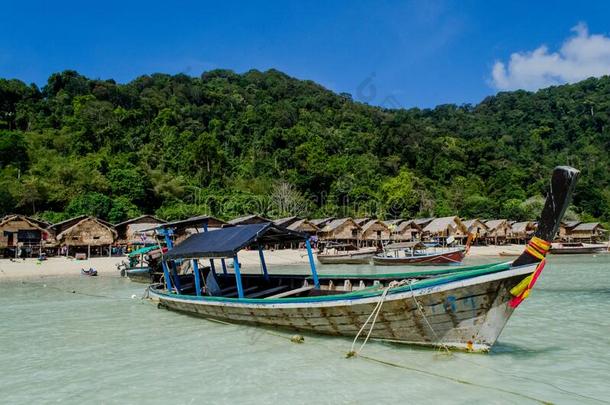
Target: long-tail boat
345 253
464 308
418 254
576 248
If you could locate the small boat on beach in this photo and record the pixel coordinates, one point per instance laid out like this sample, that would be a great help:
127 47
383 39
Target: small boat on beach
464 308
145 265
417 253
576 248
345 253
90 273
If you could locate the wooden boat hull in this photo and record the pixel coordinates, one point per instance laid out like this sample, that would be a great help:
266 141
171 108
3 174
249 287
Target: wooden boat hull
583 250
427 260
466 314
354 258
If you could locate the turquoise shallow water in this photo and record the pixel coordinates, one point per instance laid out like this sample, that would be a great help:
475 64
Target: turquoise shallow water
99 345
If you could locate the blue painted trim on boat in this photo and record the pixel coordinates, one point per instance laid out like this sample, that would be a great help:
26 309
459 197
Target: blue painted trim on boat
312 264
197 277
263 264
240 289
356 295
168 280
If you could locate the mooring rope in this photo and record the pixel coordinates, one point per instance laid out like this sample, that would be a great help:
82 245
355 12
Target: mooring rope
373 315
421 311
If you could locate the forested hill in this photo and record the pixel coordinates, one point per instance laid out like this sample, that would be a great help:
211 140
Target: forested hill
262 142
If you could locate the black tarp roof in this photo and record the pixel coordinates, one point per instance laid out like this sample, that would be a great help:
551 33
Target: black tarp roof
226 242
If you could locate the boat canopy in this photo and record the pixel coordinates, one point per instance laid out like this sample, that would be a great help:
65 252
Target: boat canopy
143 251
226 242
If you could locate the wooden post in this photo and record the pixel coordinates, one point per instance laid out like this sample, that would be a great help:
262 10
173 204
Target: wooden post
224 266
88 252
240 289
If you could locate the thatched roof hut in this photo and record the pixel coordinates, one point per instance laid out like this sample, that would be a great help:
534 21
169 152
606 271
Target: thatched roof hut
321 222
362 221
588 232
423 222
137 231
303 225
445 227
522 231
84 231
249 219
375 230
341 229
497 230
405 230
15 229
476 227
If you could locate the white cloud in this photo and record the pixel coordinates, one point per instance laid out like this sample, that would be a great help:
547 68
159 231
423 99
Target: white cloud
581 56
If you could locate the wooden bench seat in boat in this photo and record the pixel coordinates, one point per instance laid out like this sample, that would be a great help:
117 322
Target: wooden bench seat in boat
234 294
292 292
268 291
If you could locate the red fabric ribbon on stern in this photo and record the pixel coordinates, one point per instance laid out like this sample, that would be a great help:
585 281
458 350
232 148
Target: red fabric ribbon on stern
538 248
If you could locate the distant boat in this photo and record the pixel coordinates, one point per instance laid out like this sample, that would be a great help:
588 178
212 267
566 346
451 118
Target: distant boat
576 248
345 253
464 308
417 253
145 265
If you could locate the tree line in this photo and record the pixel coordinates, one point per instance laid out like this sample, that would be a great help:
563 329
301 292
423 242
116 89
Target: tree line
229 144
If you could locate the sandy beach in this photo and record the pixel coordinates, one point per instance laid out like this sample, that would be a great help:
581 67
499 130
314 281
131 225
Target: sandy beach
106 266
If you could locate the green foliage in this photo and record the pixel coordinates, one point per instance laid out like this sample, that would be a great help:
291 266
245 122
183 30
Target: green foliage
223 143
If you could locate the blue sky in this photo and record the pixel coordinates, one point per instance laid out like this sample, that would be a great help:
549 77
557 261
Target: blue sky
393 53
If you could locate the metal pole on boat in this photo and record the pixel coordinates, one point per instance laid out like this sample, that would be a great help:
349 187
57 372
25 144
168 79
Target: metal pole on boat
263 264
240 289
197 279
312 264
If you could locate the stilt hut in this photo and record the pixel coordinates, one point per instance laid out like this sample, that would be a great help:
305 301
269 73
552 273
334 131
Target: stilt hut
299 225
405 231
136 231
477 228
591 232
249 219
441 228
565 228
374 232
521 232
342 230
25 233
322 222
85 235
423 222
362 221
498 231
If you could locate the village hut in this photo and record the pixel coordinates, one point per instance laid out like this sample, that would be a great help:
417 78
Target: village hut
374 232
404 230
521 232
498 230
183 228
20 231
362 221
565 228
423 222
477 228
321 222
85 235
442 228
249 219
287 221
591 232
341 230
137 231
300 225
